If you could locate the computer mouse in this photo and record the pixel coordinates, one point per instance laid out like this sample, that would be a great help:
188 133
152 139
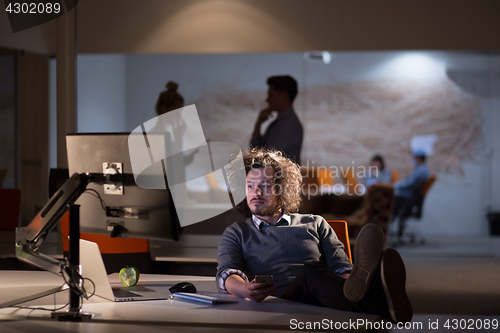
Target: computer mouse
184 287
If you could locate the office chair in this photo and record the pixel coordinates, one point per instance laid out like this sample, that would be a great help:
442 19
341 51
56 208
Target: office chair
350 180
394 176
413 210
323 177
340 228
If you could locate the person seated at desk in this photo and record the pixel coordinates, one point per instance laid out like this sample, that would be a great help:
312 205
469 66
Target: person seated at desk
377 172
405 191
302 252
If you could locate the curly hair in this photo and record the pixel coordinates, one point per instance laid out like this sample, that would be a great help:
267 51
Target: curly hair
286 175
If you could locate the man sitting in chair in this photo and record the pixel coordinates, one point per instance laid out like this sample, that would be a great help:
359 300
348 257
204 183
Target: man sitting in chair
406 191
302 252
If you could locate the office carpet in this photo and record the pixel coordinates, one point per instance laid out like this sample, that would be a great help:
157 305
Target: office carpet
449 278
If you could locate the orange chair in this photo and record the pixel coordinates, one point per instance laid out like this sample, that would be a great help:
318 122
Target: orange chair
394 176
116 252
430 181
350 180
323 177
340 228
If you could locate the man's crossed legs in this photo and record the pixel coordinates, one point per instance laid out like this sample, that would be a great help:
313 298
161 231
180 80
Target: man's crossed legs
376 284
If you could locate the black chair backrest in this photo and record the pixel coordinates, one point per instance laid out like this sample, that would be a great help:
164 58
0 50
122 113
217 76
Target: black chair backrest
416 208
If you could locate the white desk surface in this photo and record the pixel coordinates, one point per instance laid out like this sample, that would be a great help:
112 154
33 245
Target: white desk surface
176 315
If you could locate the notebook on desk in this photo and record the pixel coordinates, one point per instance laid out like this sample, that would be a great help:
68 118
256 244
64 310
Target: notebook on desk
93 269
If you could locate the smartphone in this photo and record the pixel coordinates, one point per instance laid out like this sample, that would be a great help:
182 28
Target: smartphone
268 279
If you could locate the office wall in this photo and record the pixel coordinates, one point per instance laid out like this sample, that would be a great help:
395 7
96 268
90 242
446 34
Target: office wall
230 89
101 100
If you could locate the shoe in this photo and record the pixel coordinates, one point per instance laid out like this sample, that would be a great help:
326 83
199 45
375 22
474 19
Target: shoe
393 275
367 254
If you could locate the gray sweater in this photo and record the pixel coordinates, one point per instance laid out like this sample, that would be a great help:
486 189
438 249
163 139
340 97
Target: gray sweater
280 251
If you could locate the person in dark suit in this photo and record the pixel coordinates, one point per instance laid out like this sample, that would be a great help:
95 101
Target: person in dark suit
286 132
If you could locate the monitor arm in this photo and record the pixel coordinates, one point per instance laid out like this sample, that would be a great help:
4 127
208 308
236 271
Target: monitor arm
30 238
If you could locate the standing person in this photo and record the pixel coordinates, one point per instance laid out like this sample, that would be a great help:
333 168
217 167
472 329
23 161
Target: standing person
285 133
171 123
302 252
170 100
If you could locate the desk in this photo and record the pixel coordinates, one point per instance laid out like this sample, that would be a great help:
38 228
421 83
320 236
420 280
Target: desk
175 315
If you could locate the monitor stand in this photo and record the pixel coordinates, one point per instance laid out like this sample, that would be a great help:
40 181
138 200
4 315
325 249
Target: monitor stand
71 275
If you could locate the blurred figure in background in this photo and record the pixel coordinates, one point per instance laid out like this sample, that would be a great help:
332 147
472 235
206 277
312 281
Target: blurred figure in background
377 172
407 190
285 133
170 100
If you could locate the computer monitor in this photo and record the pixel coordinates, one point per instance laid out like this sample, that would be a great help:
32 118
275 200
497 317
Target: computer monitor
126 211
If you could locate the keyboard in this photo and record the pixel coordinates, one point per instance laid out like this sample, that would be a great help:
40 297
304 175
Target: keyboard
203 298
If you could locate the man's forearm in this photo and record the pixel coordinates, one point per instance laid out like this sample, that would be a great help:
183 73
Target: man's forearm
256 140
256 128
235 285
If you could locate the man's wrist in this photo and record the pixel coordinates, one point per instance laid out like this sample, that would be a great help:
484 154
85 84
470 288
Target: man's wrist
343 270
236 285
226 274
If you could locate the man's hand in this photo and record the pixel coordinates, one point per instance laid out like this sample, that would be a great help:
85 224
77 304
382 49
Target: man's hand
255 291
263 116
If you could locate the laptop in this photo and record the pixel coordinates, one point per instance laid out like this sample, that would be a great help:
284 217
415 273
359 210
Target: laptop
93 269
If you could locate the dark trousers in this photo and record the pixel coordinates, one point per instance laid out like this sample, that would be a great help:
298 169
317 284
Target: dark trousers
316 284
401 209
